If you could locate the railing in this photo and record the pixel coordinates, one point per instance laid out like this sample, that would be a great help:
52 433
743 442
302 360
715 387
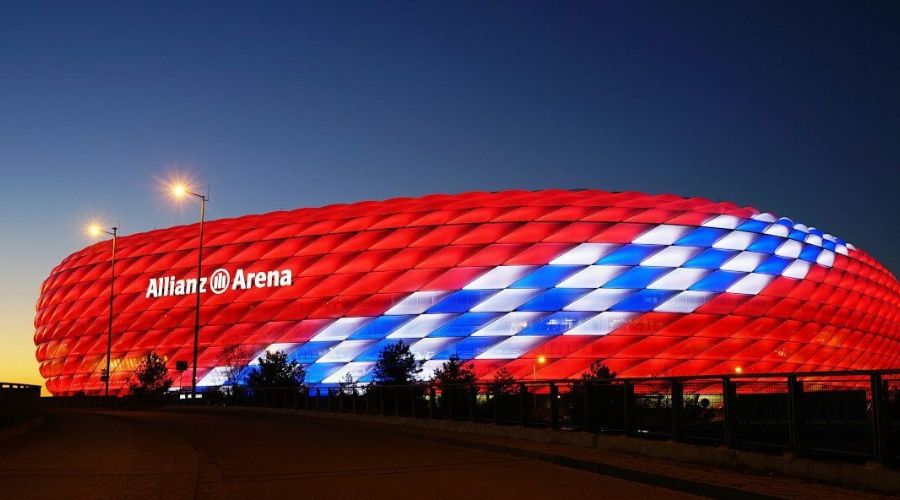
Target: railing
19 403
851 414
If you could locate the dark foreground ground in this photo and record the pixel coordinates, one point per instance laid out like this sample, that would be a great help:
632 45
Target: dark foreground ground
186 455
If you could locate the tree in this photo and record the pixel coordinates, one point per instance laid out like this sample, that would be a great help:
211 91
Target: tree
594 399
396 365
151 378
503 383
235 359
454 372
274 370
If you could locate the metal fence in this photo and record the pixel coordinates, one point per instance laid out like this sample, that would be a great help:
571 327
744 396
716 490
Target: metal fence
19 403
853 415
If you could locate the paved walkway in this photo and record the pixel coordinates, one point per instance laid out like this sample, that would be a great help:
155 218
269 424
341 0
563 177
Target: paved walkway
201 455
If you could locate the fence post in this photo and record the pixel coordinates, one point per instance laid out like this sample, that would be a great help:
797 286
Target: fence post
879 407
330 399
381 400
554 406
431 395
795 415
472 393
587 387
523 393
729 398
318 398
628 395
677 410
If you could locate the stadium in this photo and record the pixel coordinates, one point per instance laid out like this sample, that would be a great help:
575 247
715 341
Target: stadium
654 285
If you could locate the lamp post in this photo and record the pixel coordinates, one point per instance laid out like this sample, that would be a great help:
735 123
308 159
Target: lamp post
181 191
96 230
539 361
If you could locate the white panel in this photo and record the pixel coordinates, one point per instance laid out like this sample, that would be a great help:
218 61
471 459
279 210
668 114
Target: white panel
737 240
744 261
506 300
826 258
801 227
797 269
600 299
345 351
417 303
428 369
851 246
499 277
751 284
778 230
814 239
215 377
421 326
671 257
685 302
765 217
830 238
602 323
841 249
513 347
724 222
585 253
662 235
679 279
287 347
427 348
509 324
592 277
340 329
790 249
356 369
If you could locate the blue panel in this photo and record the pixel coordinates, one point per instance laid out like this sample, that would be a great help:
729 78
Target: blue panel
546 277
637 277
645 300
469 347
465 324
380 327
810 253
556 323
773 265
828 245
754 226
311 351
554 299
461 301
816 232
712 258
718 281
371 354
317 372
784 221
630 255
766 244
702 237
798 235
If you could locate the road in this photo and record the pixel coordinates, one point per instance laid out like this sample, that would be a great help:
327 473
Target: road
185 455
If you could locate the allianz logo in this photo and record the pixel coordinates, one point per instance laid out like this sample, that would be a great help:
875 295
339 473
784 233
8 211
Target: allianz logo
218 282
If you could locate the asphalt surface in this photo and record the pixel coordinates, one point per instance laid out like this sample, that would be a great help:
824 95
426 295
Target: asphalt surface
185 455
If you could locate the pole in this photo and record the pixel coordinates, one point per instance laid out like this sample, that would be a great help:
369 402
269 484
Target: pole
112 281
197 309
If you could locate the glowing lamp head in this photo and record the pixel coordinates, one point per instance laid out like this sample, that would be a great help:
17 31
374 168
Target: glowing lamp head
738 370
179 190
542 359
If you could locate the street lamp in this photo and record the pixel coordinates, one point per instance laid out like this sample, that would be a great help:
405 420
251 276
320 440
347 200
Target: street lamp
180 191
539 361
96 230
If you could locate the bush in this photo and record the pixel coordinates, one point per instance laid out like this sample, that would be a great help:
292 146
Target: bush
454 372
151 378
274 370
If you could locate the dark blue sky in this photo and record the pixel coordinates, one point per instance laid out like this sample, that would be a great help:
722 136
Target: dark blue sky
790 107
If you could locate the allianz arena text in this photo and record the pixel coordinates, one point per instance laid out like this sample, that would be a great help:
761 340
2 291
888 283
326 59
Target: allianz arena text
654 285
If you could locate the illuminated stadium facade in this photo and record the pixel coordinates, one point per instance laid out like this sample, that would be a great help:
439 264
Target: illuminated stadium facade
655 285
